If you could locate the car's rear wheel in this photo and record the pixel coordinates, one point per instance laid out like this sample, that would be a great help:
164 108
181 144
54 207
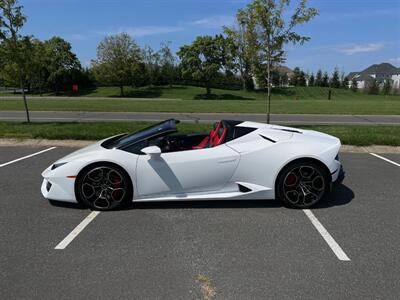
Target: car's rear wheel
302 184
103 187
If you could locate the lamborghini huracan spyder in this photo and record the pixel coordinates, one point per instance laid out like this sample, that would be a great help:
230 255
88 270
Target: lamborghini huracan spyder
236 160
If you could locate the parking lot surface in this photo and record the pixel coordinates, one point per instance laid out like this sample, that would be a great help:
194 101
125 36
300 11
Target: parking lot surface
191 250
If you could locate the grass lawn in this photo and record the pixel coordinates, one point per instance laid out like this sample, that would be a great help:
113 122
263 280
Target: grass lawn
198 93
349 134
356 107
299 100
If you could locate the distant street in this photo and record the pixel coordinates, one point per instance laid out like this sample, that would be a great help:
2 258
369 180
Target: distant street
198 117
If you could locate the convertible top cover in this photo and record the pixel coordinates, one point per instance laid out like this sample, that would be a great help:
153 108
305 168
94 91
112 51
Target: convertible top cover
162 128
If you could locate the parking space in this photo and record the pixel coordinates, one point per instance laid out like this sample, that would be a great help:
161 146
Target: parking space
8 154
393 157
245 249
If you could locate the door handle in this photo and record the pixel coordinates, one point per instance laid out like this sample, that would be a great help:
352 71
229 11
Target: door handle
226 161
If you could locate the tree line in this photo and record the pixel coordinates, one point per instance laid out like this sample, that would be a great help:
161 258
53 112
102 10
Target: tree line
252 48
321 79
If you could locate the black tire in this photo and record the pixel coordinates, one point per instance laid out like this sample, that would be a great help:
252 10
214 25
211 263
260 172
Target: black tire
302 184
103 186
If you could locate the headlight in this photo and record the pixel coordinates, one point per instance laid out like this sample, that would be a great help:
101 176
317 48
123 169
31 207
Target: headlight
55 166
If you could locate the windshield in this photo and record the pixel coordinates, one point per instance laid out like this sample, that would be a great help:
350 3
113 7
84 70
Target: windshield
144 134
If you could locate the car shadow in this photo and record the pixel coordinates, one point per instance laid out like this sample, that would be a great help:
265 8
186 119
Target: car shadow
204 204
341 195
67 205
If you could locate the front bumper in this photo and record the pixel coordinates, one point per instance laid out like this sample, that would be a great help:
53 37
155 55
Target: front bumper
58 187
338 179
341 176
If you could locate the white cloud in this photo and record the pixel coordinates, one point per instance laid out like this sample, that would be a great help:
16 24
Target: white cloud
354 49
395 60
143 31
214 22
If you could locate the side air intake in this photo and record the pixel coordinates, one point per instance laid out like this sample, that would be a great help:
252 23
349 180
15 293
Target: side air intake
291 130
243 189
268 139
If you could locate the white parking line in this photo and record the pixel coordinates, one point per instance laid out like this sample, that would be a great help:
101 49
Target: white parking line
385 159
25 157
78 229
327 237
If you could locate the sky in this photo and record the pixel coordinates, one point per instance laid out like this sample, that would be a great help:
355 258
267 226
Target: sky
347 34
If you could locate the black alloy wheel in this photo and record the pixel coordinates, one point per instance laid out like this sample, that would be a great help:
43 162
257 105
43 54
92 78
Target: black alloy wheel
104 187
302 184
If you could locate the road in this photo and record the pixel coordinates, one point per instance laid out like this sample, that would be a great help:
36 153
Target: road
198 117
240 249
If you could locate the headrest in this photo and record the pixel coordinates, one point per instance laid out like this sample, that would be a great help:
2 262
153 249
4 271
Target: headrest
221 131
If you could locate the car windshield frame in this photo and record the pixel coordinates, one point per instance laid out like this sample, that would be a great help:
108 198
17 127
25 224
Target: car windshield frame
154 131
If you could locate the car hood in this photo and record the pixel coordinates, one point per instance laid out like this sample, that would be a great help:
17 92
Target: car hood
86 150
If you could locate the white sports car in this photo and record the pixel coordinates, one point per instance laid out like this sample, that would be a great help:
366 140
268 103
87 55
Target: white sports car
236 160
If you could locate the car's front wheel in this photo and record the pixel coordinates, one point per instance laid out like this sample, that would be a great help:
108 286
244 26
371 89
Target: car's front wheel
103 186
302 184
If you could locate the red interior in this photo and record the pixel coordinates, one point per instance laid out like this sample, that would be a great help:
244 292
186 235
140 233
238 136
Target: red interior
215 138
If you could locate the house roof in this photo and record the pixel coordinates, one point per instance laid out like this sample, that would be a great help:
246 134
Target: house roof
351 75
283 70
383 68
365 77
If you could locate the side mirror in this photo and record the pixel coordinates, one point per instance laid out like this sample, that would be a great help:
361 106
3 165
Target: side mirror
153 151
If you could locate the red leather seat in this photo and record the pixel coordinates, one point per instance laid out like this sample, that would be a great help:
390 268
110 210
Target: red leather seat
209 140
220 136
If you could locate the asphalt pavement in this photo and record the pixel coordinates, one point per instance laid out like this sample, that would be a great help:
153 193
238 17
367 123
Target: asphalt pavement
241 249
199 117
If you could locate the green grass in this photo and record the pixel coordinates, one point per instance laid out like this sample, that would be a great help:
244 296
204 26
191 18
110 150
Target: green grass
360 135
198 93
349 134
298 100
367 107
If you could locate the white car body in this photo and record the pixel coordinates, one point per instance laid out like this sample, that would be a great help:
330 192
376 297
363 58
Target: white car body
243 168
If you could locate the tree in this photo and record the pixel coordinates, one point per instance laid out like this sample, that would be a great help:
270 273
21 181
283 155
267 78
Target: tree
387 87
344 82
373 88
318 78
240 49
298 78
40 72
151 60
117 58
335 81
61 62
203 59
325 80
10 72
11 21
270 28
284 79
354 85
311 81
168 64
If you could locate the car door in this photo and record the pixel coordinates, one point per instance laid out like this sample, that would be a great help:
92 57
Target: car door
185 171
